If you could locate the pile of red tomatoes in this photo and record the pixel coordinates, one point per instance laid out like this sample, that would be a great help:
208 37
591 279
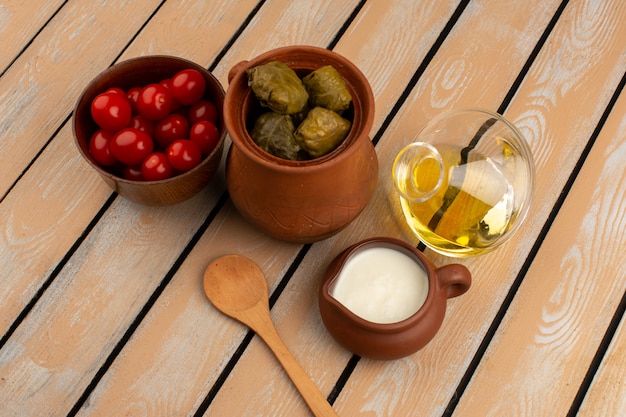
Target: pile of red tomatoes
156 131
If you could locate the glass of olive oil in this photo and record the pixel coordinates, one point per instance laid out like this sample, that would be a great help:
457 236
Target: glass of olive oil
466 182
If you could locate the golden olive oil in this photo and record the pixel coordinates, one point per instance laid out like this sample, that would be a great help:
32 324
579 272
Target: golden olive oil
471 208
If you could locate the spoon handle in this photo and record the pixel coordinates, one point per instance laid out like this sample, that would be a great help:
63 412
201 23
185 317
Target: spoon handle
311 394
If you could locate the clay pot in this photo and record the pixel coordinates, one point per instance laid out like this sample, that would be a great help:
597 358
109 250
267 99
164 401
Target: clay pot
398 339
300 201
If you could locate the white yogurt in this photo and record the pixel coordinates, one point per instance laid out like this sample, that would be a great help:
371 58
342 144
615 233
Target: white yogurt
381 285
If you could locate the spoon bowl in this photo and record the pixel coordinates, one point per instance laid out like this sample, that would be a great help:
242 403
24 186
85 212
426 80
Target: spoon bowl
236 286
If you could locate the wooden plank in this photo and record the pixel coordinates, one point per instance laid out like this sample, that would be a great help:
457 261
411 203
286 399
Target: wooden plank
607 395
90 305
41 87
378 41
193 365
53 214
302 282
284 23
196 364
559 80
296 315
59 210
19 23
38 92
565 303
183 344
99 302
42 218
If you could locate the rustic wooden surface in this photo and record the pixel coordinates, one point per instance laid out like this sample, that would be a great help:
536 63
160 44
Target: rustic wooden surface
103 312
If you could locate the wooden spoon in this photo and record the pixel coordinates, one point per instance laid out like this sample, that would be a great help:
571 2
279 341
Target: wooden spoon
236 286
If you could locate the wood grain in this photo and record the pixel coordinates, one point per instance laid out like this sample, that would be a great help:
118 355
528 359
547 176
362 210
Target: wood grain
195 212
607 395
67 336
212 347
439 365
19 24
37 88
42 218
182 344
181 347
237 287
553 329
73 211
318 353
288 20
64 208
381 27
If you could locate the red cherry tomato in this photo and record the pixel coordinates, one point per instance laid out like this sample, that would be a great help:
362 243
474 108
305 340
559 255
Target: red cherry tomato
143 124
133 173
188 86
167 83
183 154
206 135
111 111
155 102
130 146
156 167
116 90
99 148
203 110
172 127
133 98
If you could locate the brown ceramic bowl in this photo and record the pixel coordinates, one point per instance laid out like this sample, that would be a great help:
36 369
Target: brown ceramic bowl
300 201
139 72
390 340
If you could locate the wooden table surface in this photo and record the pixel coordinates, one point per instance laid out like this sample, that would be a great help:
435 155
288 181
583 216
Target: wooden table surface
103 312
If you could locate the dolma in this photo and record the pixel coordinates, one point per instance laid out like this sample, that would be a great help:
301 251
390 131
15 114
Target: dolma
321 132
278 87
274 133
327 89
299 117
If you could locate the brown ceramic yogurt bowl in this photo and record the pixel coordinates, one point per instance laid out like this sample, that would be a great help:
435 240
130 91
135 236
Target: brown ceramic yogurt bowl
383 299
138 72
300 201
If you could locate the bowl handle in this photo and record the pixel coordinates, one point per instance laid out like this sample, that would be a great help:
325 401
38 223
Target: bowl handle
236 69
454 279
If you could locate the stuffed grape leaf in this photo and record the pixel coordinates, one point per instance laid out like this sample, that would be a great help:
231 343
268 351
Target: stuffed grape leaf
321 131
274 133
278 87
327 89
